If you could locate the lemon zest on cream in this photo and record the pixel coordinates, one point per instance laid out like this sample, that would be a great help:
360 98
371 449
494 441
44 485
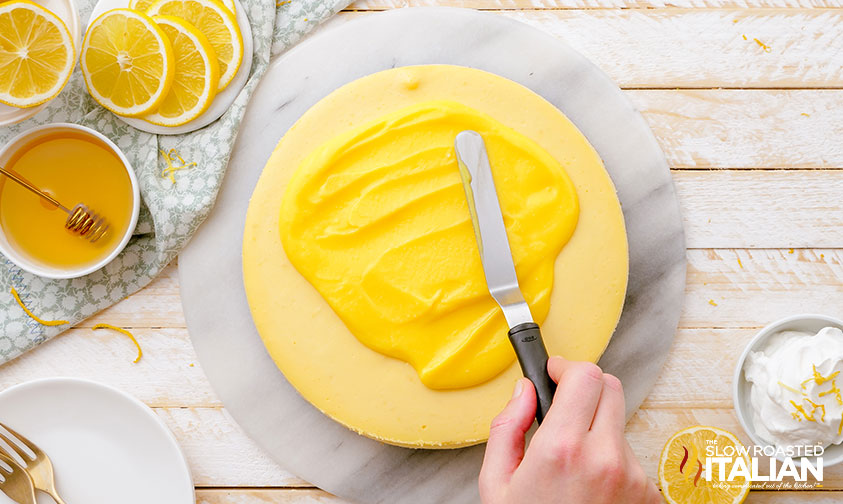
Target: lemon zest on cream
800 409
812 415
32 315
788 387
815 407
820 379
833 390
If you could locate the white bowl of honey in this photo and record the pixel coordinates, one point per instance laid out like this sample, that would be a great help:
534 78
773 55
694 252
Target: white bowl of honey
72 164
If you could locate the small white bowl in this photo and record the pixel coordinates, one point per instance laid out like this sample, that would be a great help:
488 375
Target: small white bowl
808 323
24 262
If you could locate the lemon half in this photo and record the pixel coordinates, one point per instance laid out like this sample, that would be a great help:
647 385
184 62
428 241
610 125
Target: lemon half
36 54
217 23
127 62
682 466
196 77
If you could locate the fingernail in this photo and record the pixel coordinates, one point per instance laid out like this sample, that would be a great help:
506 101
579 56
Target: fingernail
519 386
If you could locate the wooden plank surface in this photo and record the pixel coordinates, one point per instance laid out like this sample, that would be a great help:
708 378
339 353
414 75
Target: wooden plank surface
761 209
494 5
747 129
221 456
693 48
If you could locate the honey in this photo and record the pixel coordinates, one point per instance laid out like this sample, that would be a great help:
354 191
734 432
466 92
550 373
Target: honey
73 168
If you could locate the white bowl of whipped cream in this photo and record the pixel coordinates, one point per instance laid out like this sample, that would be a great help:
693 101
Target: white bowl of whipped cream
788 383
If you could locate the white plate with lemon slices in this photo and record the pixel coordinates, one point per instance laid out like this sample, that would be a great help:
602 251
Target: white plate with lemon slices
232 74
62 14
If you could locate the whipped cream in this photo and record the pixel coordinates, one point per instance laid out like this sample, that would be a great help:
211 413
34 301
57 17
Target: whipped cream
796 384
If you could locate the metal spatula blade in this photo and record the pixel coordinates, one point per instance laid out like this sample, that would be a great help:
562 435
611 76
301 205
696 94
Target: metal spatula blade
498 266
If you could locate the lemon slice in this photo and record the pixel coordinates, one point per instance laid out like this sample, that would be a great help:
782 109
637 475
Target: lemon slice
140 5
36 54
217 23
682 468
230 5
127 62
143 5
196 77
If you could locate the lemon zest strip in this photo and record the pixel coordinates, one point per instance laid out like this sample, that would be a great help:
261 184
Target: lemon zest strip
171 157
127 333
815 407
788 387
833 390
800 409
820 379
33 316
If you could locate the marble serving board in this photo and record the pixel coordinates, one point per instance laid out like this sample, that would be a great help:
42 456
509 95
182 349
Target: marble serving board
266 406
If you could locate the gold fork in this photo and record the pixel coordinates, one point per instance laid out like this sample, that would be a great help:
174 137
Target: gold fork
40 468
16 484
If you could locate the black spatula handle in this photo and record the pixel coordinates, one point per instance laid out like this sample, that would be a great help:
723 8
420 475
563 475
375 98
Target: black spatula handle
527 341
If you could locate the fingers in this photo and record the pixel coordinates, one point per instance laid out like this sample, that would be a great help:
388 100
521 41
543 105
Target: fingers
505 447
579 385
610 417
654 496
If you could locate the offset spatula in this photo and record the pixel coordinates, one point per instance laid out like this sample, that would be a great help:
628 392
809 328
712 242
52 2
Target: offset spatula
524 334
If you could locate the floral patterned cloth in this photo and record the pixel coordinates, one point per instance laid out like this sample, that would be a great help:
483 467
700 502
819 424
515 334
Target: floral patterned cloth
170 213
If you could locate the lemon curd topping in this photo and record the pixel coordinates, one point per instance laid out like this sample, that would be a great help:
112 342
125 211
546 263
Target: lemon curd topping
376 219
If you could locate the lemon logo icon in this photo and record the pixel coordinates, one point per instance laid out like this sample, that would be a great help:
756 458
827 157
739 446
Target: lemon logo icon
682 465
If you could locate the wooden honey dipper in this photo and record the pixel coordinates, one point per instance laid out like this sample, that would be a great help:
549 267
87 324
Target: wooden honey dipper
81 220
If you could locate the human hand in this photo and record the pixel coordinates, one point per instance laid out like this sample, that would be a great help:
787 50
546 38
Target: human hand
577 455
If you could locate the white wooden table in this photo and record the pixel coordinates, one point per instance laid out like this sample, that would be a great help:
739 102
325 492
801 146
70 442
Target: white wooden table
755 140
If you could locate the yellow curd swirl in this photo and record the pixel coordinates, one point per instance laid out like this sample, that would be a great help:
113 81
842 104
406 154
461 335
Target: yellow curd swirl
376 220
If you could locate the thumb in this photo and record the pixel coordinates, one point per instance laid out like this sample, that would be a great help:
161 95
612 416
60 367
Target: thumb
505 448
